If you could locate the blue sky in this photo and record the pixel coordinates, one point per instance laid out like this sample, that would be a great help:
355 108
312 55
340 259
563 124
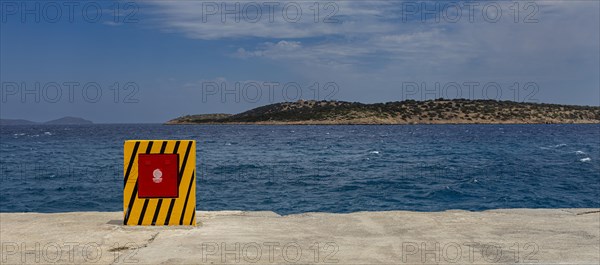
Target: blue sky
168 59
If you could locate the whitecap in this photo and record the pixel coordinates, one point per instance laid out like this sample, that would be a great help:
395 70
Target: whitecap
580 152
47 133
227 143
374 152
552 146
587 159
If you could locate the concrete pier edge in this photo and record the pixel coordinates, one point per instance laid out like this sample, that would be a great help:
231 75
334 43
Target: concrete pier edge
503 236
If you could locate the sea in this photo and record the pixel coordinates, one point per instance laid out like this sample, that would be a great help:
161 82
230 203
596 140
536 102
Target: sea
299 168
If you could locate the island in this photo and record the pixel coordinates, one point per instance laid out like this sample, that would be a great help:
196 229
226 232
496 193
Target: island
438 111
61 121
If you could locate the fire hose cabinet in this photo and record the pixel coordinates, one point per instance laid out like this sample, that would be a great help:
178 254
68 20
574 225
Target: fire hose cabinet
159 182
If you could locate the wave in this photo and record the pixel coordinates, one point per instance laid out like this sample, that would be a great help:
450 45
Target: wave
553 146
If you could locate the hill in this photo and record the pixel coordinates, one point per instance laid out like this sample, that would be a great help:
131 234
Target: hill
440 111
15 122
68 121
61 121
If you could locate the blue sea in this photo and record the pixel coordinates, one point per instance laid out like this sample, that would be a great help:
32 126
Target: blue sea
295 169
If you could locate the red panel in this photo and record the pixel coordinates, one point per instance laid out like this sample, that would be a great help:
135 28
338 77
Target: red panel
158 175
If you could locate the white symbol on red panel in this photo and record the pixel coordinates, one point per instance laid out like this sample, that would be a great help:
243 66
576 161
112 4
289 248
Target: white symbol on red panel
157 176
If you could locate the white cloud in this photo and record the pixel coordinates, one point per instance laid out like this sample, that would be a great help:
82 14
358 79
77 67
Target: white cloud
204 19
372 41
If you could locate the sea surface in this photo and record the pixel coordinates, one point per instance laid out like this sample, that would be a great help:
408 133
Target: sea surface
295 169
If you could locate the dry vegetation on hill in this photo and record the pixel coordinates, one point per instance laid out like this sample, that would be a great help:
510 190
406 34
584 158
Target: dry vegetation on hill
438 111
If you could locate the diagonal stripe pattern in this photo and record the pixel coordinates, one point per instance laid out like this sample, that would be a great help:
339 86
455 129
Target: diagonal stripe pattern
160 211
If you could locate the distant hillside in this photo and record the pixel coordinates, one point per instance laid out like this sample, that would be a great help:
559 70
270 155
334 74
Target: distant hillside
61 121
199 118
440 111
68 121
15 122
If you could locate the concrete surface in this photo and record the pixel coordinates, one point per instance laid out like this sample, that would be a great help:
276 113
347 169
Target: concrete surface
541 236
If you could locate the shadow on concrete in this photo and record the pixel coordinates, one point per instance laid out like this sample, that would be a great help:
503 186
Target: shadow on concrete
115 222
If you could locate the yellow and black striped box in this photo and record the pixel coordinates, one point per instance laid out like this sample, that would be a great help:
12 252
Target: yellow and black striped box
179 209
